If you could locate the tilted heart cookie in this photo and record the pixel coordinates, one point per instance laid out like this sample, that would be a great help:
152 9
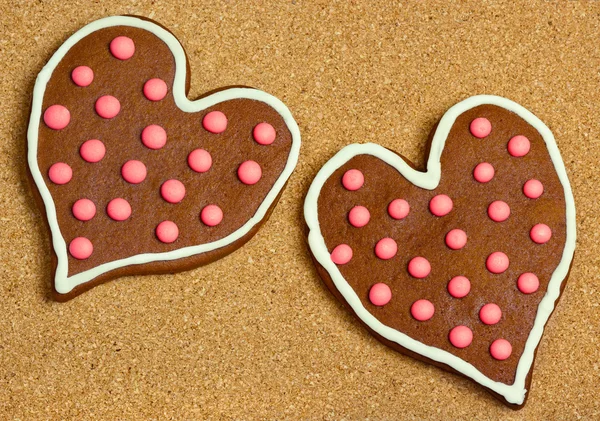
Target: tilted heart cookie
134 177
461 265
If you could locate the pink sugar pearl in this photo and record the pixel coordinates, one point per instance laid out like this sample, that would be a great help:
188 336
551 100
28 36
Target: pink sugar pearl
167 231
92 150
60 173
380 294
440 205
501 349
264 134
122 47
422 310
386 248
82 76
398 209
154 137
249 172
540 233
353 180
459 286
211 215
342 254
518 146
81 248
57 117
498 211
456 239
118 209
533 189
497 262
107 106
215 122
173 191
490 314
199 160
419 267
133 171
461 336
359 216
484 172
528 283
84 209
480 127
155 89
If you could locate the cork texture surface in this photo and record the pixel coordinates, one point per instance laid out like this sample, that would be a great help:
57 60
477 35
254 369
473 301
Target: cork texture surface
257 335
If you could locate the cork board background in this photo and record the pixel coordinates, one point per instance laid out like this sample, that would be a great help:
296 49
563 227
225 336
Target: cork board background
256 335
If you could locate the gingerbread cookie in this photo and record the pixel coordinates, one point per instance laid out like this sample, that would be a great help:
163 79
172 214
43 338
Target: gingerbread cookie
460 265
135 178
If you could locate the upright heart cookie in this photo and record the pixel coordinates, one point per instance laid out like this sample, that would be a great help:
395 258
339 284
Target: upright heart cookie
134 177
461 265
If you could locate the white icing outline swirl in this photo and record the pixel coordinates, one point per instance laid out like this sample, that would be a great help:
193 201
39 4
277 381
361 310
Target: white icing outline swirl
514 393
64 283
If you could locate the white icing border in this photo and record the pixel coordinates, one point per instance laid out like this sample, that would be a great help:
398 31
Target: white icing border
64 283
515 393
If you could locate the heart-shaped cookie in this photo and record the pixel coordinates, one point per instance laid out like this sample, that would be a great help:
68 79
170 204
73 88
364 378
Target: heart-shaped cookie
134 177
460 265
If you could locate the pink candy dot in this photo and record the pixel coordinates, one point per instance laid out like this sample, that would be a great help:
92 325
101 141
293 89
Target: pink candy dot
398 208
57 117
497 262
122 48
484 172
215 122
353 180
107 106
480 127
386 248
82 76
456 239
81 248
249 172
118 209
380 294
92 150
528 283
199 160
501 349
490 314
167 231
133 171
461 336
154 136
498 211
155 89
459 287
419 267
211 215
264 134
518 146
533 189
173 191
440 205
84 209
60 173
359 216
342 254
422 310
540 233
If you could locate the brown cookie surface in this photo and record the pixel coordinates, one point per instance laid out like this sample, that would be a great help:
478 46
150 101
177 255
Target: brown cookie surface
349 215
244 197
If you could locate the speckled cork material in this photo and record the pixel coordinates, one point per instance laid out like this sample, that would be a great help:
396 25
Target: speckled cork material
257 335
